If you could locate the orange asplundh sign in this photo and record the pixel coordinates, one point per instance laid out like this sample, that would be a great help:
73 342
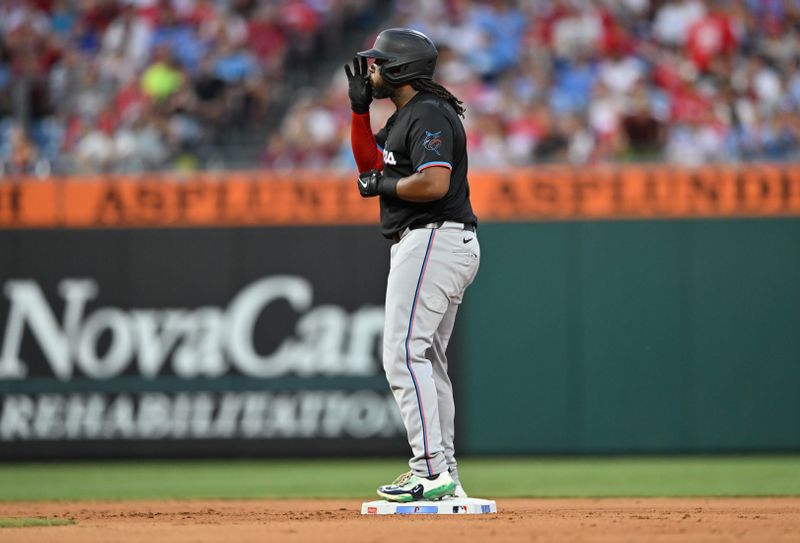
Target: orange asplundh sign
302 198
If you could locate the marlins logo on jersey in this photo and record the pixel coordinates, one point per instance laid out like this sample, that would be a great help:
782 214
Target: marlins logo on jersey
388 157
433 141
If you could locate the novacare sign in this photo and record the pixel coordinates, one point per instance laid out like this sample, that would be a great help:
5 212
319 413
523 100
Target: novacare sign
108 373
202 342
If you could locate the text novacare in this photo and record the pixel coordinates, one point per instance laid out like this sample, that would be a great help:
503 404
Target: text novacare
203 342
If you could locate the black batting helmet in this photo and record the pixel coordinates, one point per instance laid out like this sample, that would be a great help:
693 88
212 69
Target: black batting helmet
408 55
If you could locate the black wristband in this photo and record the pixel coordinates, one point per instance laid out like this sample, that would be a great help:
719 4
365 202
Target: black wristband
388 187
359 109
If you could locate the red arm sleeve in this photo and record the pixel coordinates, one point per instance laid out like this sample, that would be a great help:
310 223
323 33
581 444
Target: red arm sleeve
365 148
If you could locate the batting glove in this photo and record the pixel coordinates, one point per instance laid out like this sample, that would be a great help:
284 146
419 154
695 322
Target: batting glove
359 88
373 183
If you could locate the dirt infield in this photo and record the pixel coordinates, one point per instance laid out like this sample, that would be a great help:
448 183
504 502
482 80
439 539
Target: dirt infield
603 520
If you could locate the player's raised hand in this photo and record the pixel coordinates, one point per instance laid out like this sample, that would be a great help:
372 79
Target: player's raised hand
359 88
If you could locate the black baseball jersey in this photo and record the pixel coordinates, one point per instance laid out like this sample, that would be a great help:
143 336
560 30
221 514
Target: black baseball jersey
425 132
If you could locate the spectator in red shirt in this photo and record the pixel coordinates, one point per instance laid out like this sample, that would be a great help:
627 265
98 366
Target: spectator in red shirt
264 35
710 36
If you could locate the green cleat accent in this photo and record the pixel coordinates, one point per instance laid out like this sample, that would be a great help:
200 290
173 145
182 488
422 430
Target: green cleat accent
409 487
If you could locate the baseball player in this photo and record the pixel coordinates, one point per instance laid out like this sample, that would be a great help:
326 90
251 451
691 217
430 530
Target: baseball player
417 166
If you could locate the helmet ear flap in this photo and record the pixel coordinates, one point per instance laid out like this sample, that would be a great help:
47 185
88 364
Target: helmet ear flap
398 71
397 74
393 74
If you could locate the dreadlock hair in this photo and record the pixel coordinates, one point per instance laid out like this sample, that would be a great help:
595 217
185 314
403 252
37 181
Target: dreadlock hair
428 85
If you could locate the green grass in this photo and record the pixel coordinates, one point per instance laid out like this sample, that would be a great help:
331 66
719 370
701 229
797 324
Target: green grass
32 522
496 478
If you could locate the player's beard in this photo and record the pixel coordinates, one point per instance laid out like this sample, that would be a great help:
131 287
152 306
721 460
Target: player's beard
382 90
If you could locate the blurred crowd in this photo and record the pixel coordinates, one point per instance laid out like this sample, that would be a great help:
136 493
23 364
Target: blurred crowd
91 86
590 81
133 85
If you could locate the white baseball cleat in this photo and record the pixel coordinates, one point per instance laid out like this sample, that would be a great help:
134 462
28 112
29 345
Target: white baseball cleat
459 492
409 487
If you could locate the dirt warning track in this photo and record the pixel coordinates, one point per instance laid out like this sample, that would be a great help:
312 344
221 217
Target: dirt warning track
564 520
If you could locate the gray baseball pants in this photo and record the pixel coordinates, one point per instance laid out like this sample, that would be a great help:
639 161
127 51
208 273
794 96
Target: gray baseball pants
430 270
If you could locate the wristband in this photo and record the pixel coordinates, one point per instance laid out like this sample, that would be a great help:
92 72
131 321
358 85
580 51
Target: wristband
388 187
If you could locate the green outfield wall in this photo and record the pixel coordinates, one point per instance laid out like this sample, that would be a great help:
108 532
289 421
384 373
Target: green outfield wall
633 336
619 309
